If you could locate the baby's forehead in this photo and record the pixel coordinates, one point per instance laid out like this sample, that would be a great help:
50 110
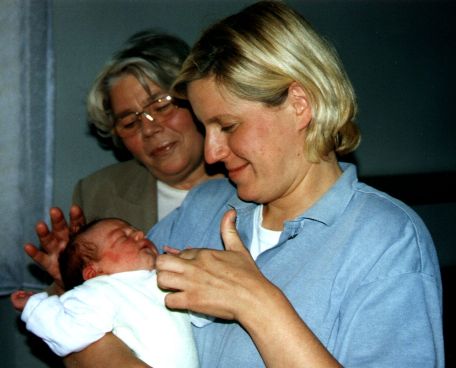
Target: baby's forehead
112 223
103 228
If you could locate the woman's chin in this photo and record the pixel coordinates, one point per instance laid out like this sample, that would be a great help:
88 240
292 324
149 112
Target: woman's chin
247 193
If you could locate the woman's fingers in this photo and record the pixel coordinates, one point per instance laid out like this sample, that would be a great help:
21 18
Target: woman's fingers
59 224
207 280
174 274
48 262
169 262
77 218
204 280
41 258
53 241
170 250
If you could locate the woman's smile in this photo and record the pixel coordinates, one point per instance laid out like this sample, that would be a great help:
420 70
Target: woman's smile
164 149
235 172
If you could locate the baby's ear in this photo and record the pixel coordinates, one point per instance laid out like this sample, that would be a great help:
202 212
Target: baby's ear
89 272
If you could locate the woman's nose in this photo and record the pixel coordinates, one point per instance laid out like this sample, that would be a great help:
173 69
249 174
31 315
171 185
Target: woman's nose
149 125
215 147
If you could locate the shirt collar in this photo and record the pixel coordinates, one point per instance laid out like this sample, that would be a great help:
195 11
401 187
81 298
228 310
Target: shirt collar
333 203
326 210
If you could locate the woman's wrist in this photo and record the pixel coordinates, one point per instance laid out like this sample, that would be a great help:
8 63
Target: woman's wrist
259 306
54 289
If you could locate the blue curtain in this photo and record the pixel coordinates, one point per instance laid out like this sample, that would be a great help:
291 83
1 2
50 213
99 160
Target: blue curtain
26 134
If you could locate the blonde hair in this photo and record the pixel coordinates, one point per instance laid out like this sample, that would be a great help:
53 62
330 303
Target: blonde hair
148 56
257 53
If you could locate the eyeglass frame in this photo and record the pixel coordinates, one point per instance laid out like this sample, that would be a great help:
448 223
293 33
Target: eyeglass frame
151 117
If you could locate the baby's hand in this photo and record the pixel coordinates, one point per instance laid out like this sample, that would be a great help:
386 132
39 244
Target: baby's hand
19 298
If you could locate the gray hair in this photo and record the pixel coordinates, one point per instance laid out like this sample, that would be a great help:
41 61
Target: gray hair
148 56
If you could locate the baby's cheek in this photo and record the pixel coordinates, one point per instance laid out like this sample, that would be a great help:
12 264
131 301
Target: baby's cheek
112 257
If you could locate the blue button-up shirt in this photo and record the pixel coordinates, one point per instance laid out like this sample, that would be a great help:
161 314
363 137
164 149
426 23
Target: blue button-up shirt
359 267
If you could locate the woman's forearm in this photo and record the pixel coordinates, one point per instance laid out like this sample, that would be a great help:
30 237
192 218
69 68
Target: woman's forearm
109 351
281 337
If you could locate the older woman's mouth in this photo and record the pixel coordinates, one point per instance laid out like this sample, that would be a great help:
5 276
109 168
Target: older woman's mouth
163 149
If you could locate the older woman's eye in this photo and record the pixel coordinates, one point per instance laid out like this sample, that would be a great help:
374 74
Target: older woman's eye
129 125
164 107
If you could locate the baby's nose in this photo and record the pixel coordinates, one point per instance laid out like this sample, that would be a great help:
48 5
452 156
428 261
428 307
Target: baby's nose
138 235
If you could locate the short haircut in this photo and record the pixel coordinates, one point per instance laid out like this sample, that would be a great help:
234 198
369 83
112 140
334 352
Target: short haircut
259 52
148 56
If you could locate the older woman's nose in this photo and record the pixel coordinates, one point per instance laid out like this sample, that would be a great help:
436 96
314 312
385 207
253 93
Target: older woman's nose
149 125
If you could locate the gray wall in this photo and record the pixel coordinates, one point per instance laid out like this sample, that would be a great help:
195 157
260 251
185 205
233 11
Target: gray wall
399 55
86 33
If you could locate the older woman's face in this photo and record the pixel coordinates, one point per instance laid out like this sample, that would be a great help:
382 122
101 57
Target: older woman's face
173 149
262 147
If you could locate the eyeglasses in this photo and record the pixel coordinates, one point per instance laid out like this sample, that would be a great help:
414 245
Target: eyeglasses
158 110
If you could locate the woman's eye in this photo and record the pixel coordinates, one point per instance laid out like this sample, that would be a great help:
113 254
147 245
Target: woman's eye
129 125
228 128
163 108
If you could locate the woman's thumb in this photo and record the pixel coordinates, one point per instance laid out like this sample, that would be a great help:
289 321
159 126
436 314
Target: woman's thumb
230 236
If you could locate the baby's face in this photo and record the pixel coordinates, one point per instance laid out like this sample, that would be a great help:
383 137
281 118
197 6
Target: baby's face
122 247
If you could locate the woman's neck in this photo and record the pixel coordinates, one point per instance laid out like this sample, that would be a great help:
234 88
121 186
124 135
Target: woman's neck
318 179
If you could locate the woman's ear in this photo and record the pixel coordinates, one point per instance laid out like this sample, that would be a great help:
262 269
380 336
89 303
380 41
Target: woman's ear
89 272
300 103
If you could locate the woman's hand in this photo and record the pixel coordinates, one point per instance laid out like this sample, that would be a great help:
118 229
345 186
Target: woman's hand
225 284
55 240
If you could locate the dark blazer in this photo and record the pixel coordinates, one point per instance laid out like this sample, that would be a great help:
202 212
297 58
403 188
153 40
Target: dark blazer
126 190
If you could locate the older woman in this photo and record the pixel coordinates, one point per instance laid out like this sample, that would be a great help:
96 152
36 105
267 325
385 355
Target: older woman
319 270
130 104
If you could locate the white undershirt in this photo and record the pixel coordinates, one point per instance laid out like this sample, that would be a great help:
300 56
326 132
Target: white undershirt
169 198
262 239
